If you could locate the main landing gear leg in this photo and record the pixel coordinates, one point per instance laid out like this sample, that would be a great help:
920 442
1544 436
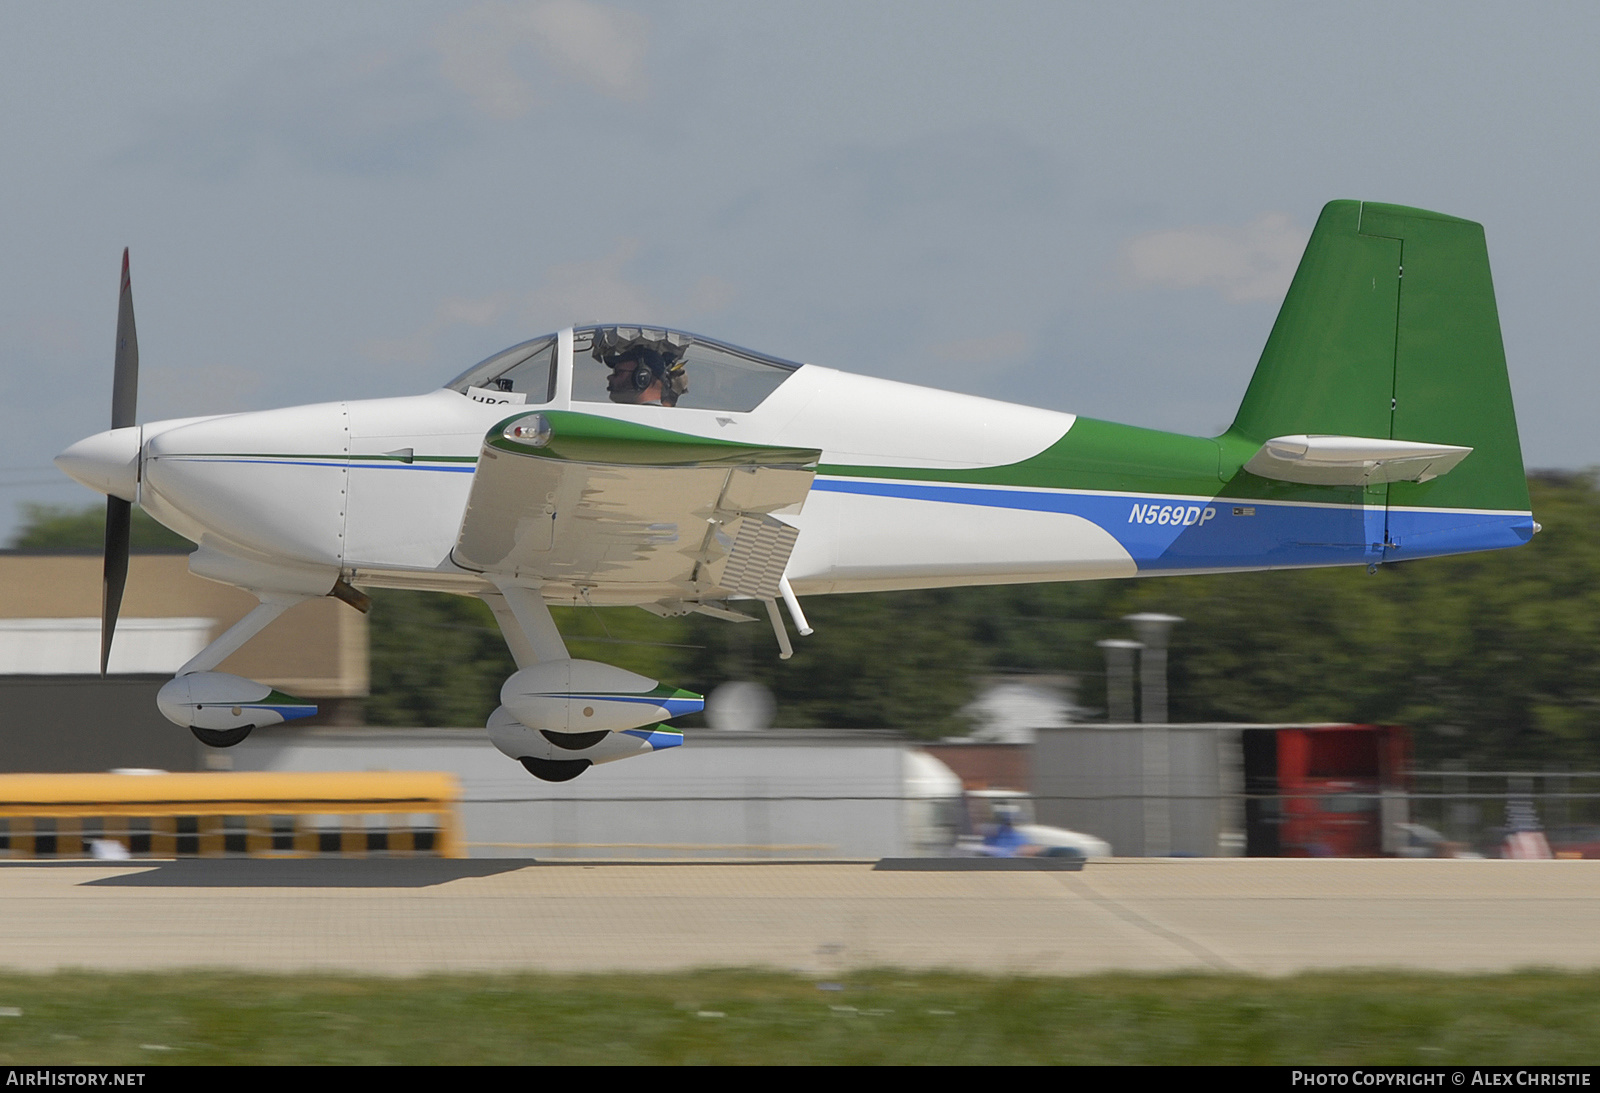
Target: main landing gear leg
221 709
533 624
228 642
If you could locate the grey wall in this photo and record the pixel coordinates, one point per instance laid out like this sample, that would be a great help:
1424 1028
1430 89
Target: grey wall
801 794
75 723
1149 790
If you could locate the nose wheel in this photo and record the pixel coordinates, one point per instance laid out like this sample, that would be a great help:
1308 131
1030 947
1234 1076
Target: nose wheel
221 738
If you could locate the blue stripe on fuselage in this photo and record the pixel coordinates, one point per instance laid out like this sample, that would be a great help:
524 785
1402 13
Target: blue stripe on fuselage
657 737
1166 533
675 707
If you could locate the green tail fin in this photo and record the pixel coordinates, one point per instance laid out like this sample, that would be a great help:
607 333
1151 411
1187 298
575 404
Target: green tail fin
1390 330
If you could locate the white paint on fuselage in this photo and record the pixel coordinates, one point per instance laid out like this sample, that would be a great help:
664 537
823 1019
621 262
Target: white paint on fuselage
288 485
228 477
853 542
865 421
385 526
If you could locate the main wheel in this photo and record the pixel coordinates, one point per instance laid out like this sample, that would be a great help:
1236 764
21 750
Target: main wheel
555 770
221 738
574 741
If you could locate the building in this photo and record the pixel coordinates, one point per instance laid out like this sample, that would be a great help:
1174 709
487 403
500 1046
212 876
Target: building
58 714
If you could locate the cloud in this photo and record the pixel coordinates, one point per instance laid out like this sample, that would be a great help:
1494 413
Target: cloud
53 335
167 392
978 170
953 363
350 113
710 294
376 111
601 47
990 349
1252 262
475 57
594 45
591 290
568 294
453 311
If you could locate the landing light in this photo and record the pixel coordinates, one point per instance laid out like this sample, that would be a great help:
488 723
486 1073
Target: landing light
534 431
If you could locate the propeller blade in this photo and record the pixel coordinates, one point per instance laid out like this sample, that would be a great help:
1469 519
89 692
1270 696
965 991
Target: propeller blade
119 520
119 513
125 377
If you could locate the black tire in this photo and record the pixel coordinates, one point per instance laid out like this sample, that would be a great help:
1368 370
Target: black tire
555 770
221 738
574 741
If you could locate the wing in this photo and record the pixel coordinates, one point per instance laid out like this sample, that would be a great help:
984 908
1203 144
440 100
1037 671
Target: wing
624 513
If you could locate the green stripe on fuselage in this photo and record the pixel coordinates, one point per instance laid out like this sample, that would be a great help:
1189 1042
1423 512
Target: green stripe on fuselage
1104 456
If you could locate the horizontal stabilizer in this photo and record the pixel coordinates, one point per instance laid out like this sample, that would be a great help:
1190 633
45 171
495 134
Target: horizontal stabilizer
1352 460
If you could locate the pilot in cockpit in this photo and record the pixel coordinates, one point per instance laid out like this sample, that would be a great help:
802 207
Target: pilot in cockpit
644 376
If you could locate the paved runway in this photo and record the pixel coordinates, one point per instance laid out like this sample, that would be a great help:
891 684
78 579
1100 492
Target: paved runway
1262 916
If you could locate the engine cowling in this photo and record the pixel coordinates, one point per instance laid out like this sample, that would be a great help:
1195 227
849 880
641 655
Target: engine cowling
582 696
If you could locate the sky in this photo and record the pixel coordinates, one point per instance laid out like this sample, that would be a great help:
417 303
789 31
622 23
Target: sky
1089 207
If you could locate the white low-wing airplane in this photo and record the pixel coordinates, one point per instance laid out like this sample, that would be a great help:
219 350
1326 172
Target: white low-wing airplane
613 464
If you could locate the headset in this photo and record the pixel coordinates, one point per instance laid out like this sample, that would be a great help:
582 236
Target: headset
645 372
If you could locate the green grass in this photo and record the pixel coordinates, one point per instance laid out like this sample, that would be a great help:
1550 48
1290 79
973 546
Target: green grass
767 1017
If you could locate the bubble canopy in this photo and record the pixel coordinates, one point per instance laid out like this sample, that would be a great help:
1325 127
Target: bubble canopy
673 368
526 369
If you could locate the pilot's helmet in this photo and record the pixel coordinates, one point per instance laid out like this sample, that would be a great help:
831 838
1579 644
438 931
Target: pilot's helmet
659 354
668 367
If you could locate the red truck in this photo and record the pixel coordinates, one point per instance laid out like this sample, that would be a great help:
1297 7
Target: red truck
1316 791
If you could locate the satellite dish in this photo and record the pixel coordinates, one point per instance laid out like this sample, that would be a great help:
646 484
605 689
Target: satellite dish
740 707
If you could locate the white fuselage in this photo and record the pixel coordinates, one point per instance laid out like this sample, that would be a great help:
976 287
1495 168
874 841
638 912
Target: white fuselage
375 490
